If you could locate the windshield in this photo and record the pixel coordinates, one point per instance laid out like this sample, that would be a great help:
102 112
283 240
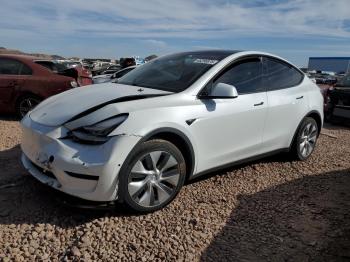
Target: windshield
173 73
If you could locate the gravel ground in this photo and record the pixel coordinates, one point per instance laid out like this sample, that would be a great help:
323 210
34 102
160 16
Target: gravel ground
269 210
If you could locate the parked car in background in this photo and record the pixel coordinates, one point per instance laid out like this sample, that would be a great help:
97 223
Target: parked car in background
24 83
127 61
71 64
325 78
80 74
112 77
312 77
99 67
111 70
172 119
88 65
337 100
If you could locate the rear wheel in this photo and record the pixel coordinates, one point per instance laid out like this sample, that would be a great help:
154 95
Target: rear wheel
25 104
305 141
153 176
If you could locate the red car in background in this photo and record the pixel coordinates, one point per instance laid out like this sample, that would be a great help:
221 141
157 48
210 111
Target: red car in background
25 81
81 75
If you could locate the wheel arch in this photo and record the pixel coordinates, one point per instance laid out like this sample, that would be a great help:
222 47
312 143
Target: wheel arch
24 94
180 140
315 115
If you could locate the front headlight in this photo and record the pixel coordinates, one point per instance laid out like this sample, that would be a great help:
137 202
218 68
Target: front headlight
98 132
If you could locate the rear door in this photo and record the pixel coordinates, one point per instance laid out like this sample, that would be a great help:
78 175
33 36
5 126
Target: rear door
287 103
13 74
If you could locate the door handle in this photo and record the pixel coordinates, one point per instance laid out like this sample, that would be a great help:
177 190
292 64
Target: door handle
13 83
300 97
259 104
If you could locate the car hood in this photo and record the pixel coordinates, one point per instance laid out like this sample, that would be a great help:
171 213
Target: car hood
65 106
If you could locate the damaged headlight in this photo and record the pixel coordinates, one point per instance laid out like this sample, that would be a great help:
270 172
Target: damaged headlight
98 132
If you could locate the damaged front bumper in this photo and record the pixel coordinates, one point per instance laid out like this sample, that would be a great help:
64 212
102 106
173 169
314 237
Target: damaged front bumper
89 172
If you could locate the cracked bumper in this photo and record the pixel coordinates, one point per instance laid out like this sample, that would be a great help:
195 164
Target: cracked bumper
86 171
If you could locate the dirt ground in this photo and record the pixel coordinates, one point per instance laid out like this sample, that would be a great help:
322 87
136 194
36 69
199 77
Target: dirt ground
268 210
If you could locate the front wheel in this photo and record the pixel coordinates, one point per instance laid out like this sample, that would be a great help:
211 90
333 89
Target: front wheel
153 176
306 138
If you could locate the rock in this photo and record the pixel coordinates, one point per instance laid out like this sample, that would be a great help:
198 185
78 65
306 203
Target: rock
75 251
274 209
35 235
34 244
193 222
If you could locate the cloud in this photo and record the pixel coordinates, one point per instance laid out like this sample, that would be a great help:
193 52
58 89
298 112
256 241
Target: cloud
295 28
202 19
155 43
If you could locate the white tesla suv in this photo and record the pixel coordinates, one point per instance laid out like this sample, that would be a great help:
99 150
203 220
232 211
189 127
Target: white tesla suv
137 141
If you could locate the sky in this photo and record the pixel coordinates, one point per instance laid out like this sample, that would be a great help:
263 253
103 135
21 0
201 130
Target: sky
293 29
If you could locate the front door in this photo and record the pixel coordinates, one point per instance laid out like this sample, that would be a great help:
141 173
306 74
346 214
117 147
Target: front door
12 77
231 129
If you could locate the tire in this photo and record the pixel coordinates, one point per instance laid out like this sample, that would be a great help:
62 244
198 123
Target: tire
305 140
25 104
144 188
328 116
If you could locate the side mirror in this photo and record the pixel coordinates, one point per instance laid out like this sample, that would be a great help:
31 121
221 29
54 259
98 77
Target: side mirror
222 90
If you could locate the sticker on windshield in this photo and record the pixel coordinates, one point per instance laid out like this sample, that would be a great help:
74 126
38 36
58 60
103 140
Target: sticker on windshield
205 61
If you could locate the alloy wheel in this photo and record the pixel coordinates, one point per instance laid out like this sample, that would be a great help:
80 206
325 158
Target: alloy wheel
308 139
153 179
27 104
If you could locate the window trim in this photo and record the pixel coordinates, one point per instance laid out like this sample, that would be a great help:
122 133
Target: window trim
19 73
202 92
19 69
283 63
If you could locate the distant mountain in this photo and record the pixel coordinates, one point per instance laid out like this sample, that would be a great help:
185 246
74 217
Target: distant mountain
4 50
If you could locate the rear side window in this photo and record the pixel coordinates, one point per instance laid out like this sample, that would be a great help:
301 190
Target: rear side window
25 70
9 66
48 65
245 75
52 66
279 75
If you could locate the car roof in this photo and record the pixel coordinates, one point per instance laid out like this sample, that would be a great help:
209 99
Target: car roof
43 60
25 57
212 52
